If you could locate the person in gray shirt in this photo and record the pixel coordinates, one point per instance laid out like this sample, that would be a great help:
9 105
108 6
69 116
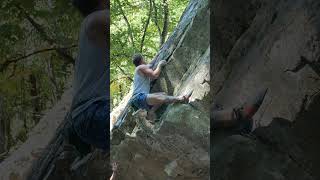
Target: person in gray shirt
90 104
141 97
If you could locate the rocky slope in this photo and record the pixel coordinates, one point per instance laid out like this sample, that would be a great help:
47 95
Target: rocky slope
19 162
176 147
274 44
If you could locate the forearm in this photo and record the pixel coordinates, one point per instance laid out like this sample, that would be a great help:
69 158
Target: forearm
157 71
148 71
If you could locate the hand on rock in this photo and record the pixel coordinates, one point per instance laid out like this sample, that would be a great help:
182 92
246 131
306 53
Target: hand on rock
162 63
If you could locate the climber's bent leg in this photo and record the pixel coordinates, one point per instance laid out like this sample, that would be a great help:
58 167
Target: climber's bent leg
160 93
152 112
140 101
151 102
223 118
156 100
155 107
241 116
159 99
92 125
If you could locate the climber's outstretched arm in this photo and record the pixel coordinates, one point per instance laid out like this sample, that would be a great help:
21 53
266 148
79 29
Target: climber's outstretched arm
154 74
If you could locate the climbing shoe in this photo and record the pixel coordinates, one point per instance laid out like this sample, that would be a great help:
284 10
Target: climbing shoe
187 97
245 113
248 110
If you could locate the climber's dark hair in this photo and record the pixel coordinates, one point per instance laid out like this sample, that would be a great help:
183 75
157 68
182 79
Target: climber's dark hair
136 59
86 7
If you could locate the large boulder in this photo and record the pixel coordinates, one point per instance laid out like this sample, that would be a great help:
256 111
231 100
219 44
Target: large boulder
273 44
176 147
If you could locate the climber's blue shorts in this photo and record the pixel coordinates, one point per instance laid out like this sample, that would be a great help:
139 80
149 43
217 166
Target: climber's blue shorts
140 101
92 125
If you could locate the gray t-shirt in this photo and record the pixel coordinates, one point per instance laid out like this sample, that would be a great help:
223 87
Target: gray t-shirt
91 74
141 83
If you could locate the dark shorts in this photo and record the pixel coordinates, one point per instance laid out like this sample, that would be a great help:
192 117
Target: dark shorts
92 125
140 101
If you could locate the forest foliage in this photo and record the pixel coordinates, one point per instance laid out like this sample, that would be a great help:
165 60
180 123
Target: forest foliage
39 41
138 26
38 45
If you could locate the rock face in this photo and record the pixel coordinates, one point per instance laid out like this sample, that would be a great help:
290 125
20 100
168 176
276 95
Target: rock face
176 147
272 44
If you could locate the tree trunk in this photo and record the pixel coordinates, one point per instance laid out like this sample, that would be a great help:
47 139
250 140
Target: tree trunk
5 128
146 26
34 92
2 129
165 22
155 19
52 76
23 114
127 22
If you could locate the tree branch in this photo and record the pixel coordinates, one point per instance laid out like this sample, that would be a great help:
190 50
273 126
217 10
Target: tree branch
165 22
123 72
127 22
146 26
155 19
4 65
122 77
43 34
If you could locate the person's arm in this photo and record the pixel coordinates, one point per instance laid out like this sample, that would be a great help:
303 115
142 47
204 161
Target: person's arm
154 74
97 27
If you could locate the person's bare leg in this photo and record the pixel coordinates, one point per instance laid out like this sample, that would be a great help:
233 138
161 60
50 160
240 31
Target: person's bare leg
223 118
159 99
160 93
229 117
156 100
151 116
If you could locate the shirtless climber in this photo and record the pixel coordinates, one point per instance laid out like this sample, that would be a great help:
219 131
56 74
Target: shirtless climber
237 119
142 98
